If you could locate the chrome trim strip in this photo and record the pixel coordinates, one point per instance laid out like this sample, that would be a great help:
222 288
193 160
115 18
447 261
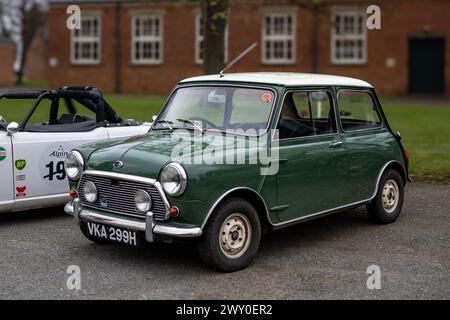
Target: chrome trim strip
216 203
129 177
307 217
141 226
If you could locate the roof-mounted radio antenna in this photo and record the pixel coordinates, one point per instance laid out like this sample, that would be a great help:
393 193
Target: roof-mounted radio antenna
239 57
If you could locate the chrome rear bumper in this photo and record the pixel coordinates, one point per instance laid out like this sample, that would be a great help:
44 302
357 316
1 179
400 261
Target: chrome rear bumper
148 226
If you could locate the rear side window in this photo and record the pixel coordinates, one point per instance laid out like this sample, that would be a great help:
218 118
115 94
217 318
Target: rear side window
358 111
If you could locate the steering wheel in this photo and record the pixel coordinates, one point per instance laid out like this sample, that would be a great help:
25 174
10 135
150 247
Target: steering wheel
209 123
76 116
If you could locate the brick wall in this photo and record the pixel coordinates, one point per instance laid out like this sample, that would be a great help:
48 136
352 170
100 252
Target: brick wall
401 19
7 57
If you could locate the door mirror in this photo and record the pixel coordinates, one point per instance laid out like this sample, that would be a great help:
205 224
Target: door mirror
154 117
12 128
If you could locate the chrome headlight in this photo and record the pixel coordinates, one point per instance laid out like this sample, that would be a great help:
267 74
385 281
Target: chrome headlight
142 201
90 192
74 165
173 179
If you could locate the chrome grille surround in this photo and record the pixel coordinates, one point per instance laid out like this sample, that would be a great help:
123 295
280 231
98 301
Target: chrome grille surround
119 189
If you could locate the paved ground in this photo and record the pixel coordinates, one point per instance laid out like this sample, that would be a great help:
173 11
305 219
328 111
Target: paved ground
325 258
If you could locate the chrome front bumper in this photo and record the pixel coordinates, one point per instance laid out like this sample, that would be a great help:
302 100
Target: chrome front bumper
148 226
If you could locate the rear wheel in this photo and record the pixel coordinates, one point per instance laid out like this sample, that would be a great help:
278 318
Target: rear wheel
388 202
231 237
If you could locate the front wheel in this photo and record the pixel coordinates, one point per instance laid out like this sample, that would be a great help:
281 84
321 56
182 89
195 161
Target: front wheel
231 237
388 202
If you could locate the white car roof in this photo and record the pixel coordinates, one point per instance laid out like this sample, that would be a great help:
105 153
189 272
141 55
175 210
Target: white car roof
284 78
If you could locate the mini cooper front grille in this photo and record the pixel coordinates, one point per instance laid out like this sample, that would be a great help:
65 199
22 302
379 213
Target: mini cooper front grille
117 195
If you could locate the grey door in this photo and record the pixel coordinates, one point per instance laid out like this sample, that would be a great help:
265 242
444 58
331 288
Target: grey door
426 65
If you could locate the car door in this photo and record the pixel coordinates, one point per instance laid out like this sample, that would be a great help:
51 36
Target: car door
6 172
313 164
364 135
39 160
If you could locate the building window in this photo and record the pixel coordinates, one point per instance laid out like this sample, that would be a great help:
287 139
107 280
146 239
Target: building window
147 35
199 38
348 37
278 37
85 44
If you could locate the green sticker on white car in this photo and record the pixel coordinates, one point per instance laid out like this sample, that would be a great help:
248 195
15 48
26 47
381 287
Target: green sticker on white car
2 153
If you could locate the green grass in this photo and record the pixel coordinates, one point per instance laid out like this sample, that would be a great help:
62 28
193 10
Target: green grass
425 129
425 132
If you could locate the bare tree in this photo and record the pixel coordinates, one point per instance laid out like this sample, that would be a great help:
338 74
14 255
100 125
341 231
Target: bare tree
316 7
33 17
215 15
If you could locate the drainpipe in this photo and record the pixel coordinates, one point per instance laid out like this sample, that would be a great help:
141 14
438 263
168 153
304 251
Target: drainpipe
117 48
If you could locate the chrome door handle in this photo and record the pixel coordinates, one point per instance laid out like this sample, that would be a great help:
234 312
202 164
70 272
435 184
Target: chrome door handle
336 144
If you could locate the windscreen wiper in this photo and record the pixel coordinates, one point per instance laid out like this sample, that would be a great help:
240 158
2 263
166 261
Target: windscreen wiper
187 120
168 122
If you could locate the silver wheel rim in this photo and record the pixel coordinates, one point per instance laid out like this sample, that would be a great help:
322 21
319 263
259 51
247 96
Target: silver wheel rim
390 196
235 235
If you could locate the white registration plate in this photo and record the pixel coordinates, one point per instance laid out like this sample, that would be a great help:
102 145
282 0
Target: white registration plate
113 234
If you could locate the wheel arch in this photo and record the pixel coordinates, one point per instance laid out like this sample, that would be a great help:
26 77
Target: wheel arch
396 166
249 195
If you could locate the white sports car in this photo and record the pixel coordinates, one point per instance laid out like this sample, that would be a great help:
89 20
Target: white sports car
32 155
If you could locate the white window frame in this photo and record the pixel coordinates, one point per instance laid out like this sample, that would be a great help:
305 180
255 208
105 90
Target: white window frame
199 38
356 13
143 38
277 37
80 39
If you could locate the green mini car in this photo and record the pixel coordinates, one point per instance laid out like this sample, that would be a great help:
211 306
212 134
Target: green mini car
232 157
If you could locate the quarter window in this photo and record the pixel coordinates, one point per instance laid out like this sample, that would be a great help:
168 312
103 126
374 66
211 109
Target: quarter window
348 37
358 111
278 38
85 48
147 39
306 113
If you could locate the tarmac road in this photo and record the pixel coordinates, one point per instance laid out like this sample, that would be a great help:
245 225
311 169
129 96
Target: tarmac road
321 259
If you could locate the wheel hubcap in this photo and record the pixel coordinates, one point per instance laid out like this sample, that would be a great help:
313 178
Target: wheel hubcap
390 196
235 235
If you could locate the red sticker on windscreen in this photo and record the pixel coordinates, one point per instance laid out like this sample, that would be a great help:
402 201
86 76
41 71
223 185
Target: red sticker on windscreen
267 97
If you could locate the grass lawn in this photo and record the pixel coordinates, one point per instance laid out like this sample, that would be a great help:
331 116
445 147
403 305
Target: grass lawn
425 129
425 132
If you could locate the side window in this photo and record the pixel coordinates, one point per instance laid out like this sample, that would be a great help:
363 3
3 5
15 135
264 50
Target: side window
358 111
306 113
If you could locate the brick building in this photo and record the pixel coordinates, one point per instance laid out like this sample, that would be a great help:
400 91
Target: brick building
148 46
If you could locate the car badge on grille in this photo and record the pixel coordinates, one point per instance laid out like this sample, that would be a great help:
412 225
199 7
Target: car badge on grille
118 164
104 202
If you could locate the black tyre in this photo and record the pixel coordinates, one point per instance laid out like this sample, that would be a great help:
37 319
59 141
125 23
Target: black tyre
83 227
231 237
388 202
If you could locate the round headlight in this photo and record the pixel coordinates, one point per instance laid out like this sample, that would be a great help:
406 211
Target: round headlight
142 201
74 165
173 179
90 192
